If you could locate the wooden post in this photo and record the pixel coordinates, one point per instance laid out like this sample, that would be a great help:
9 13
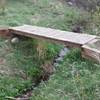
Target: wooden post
92 50
4 32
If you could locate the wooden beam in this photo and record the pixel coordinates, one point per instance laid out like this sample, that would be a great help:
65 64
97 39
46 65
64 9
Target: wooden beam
92 49
89 44
4 31
67 38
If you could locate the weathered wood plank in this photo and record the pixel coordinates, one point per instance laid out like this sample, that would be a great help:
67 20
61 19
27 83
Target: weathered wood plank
92 49
4 31
68 38
89 44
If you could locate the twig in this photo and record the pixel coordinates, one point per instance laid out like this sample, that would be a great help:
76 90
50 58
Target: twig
12 98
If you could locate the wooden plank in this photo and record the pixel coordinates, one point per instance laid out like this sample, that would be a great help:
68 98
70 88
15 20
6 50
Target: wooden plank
4 32
92 49
83 41
53 34
89 57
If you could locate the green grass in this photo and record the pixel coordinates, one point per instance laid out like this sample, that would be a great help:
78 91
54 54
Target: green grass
43 13
22 64
75 79
15 70
19 66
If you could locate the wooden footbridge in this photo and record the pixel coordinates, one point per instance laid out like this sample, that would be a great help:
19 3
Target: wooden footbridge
88 43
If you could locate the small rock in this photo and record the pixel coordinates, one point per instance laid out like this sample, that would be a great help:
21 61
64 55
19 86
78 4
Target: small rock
70 3
15 40
77 29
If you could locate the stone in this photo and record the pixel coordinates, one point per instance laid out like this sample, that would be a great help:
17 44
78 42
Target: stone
15 40
70 3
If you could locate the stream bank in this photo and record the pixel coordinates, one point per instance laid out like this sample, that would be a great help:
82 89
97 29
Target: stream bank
27 93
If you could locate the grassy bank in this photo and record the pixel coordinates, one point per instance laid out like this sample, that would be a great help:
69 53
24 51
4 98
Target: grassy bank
75 79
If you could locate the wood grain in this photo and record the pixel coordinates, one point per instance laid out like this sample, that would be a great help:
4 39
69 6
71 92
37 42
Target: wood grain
67 38
4 31
92 50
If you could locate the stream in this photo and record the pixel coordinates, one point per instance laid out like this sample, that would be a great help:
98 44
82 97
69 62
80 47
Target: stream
28 92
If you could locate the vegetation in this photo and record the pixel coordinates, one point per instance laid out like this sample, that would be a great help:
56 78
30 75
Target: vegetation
89 5
75 78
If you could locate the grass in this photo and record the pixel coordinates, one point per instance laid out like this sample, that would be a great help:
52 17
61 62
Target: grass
19 66
75 78
14 70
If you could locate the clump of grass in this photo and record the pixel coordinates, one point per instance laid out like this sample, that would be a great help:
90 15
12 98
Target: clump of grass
94 24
